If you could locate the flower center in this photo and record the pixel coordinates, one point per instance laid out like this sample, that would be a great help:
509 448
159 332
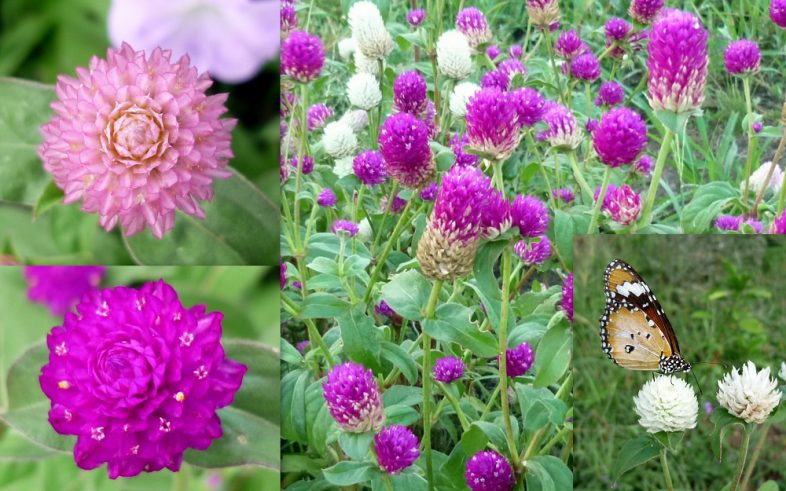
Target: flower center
123 372
135 134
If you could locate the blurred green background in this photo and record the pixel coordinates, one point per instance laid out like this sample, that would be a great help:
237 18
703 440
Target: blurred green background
724 298
248 297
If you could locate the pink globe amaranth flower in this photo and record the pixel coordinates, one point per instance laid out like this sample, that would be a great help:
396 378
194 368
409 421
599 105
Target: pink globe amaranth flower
327 198
610 94
530 215
757 127
644 165
473 24
623 205
778 13
403 143
565 194
515 51
729 223
569 45
496 217
353 398
302 56
496 79
448 369
533 252
369 166
610 190
344 228
492 123
489 471
287 18
493 51
645 11
620 137
429 193
544 13
563 131
136 138
677 62
397 448
741 57
585 67
530 105
302 346
306 164
616 29
519 360
137 377
567 296
410 93
318 115
779 224
60 287
457 144
511 67
415 17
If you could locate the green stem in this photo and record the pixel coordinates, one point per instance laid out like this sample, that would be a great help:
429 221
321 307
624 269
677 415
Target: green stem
746 84
755 456
453 402
313 334
503 346
300 157
665 465
656 174
746 440
492 398
577 174
426 406
388 247
393 192
388 483
358 203
775 160
593 226
550 49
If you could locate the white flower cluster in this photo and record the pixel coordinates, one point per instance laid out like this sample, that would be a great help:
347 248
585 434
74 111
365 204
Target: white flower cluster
363 91
368 30
666 403
454 56
460 98
756 181
751 395
339 140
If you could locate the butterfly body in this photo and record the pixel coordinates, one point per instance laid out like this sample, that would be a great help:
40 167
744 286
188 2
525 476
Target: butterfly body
635 332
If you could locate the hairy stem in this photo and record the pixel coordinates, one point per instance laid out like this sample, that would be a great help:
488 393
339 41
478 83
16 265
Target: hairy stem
646 213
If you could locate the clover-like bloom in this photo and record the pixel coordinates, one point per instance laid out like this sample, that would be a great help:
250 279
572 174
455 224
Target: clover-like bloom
519 360
565 194
343 167
415 17
457 144
495 78
448 368
369 166
382 308
778 13
473 24
677 62
410 93
353 398
344 228
489 471
751 395
318 114
368 30
302 56
610 94
493 51
533 252
347 47
616 29
492 123
759 176
530 105
327 198
645 11
60 287
460 97
515 51
623 205
567 296
403 142
563 130
620 137
666 403
306 164
742 57
339 140
496 218
454 56
729 223
543 13
779 224
429 193
397 448
363 91
530 215
569 45
356 119
644 165
137 377
135 138
585 67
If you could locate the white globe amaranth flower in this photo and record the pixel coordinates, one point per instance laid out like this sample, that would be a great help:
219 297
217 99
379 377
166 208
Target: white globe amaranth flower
339 140
346 47
460 98
666 403
363 91
343 166
454 56
782 373
751 395
364 64
365 233
357 119
756 181
369 31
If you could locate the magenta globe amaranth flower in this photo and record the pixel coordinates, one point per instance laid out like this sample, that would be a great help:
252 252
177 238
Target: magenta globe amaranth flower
543 13
287 18
757 127
382 308
519 360
344 228
448 368
397 448
403 143
512 67
533 252
496 218
620 137
60 287
492 123
677 62
137 377
369 166
742 57
530 215
429 193
645 11
610 94
564 194
567 296
135 138
282 275
306 164
302 346
564 132
326 198
728 223
496 79
302 56
493 51
779 224
318 115
778 13
616 29
410 93
644 165
415 17
569 45
353 398
397 204
585 67
754 224
472 23
489 471
623 205
457 144
530 105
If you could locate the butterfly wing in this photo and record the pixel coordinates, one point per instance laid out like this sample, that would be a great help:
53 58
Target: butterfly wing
630 337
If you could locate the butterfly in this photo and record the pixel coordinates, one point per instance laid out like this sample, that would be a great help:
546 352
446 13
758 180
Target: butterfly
635 332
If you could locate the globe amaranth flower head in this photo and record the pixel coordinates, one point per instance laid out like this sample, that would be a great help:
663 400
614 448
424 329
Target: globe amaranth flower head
495 78
677 62
623 205
779 224
515 51
363 91
326 198
429 193
137 377
410 93
489 471
302 56
778 13
610 94
318 115
564 132
415 17
742 57
446 250
403 143
448 368
368 30
344 228
530 105
617 29
543 13
457 144
353 398
729 223
454 55
460 97
519 360
569 45
666 403
644 165
473 24
530 215
287 18
135 138
533 252
306 164
382 308
758 179
496 218
397 448
567 296
585 67
493 51
492 123
565 194
339 140
512 67
751 395
645 11
369 166
620 137
302 346
60 287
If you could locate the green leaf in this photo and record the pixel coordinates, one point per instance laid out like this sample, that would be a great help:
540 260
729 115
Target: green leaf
293 401
360 336
471 442
51 196
452 325
400 415
401 359
769 486
485 283
240 227
323 306
708 201
355 445
564 230
347 473
16 448
723 421
552 357
548 473
407 294
539 407
633 453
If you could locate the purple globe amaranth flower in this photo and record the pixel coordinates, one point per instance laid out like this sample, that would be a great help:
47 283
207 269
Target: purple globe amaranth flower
369 166
282 275
303 346
403 143
543 13
591 125
533 252
492 123
283 170
344 227
620 137
623 205
617 29
297 285
511 67
742 57
457 144
756 225
489 471
302 56
287 18
429 117
396 205
677 62
569 45
530 215
307 165
585 67
778 13
138 378
446 250
353 398
493 51
567 296
318 114
612 188
530 105
495 79
779 224
757 127
410 93
397 448
429 193
515 51
496 218
644 165
448 368
565 194
473 24
729 223
610 94
415 17
327 198
519 360
645 11
563 131
61 287
382 308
